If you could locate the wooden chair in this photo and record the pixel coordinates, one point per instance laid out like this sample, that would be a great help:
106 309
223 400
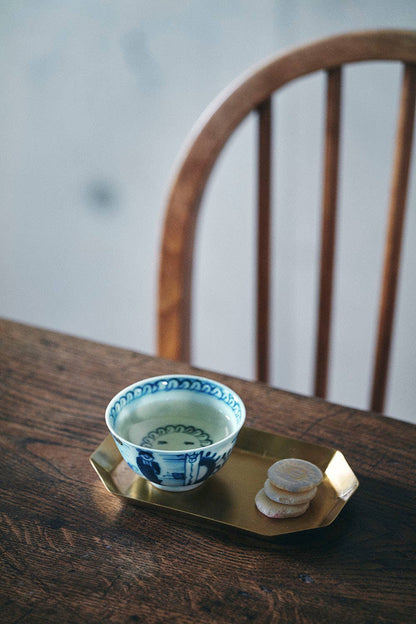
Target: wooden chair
253 92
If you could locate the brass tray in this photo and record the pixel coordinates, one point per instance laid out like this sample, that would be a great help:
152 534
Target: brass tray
227 497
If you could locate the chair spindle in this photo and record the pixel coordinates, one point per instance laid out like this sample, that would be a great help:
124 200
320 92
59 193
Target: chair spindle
263 237
328 227
398 194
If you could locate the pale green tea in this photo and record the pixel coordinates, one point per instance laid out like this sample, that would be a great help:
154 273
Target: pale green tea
174 424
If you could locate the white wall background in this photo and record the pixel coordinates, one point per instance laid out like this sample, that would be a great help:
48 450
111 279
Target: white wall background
97 99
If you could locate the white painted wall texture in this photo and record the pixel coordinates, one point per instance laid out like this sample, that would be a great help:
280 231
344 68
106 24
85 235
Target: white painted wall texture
97 99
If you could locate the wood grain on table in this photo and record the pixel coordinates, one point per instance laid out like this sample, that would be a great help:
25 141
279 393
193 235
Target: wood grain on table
71 552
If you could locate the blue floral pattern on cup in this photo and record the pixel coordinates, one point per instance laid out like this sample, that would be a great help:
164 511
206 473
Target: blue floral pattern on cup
184 469
197 436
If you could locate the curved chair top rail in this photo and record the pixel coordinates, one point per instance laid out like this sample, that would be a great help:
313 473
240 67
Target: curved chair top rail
207 139
234 103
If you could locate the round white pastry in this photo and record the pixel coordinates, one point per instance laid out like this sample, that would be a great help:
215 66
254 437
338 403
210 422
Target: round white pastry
271 509
294 475
288 498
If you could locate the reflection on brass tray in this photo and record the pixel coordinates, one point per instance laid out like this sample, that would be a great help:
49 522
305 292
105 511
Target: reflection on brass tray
228 497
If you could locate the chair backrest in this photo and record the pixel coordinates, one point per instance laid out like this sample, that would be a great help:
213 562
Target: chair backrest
253 92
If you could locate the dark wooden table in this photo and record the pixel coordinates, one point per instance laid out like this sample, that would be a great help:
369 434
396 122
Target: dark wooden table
71 552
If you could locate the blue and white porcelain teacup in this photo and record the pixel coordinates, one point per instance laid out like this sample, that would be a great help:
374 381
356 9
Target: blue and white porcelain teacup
175 430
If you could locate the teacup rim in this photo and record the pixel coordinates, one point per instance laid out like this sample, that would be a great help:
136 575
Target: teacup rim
156 378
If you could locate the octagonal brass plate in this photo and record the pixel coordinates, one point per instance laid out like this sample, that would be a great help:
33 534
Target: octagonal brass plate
227 497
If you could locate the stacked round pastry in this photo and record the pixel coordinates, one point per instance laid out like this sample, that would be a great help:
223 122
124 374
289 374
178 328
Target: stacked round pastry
288 490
